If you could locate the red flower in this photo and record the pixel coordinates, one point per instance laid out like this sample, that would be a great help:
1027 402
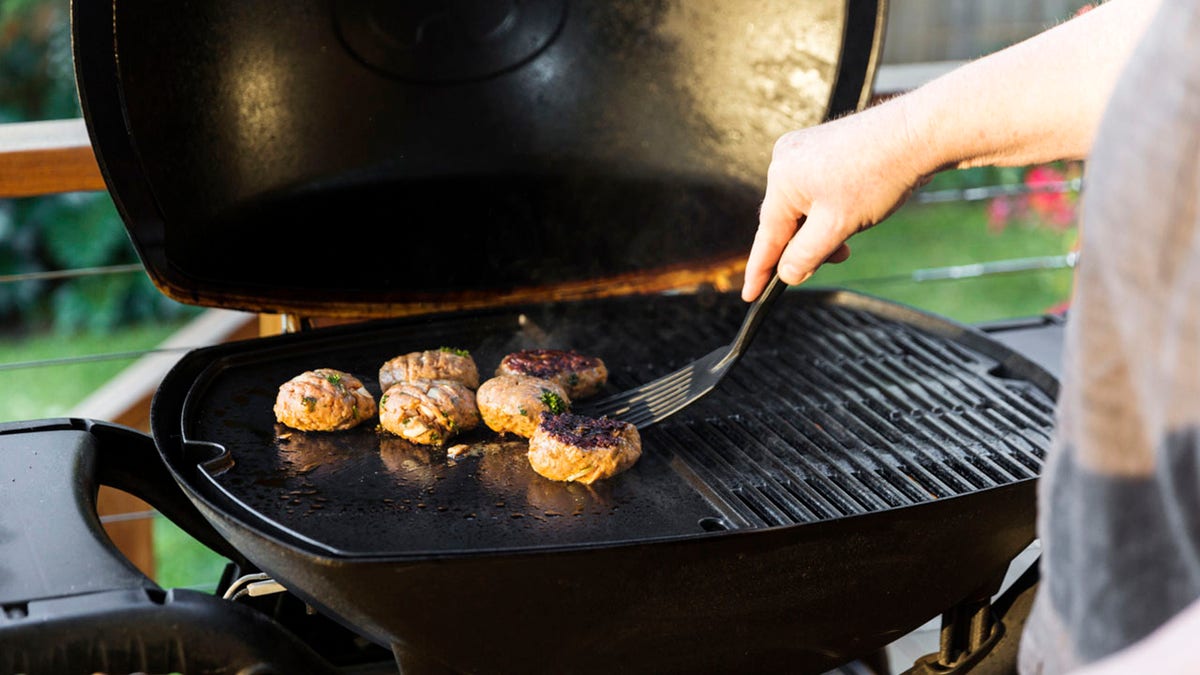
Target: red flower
1047 198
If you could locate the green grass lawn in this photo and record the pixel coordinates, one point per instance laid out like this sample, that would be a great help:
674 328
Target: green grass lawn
938 235
182 562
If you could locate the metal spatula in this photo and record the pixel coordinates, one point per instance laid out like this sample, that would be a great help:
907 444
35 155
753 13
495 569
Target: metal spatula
654 402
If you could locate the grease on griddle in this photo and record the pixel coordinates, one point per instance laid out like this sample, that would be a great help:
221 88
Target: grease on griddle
556 499
408 462
494 471
303 453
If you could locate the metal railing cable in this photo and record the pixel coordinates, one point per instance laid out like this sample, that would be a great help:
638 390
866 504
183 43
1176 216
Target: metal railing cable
979 193
127 516
93 358
935 274
75 273
975 270
53 275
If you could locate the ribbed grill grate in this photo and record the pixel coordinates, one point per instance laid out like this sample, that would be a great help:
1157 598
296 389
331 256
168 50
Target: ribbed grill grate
865 414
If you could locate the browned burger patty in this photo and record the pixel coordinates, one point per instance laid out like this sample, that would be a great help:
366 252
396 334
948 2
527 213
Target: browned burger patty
434 364
583 449
514 403
580 375
428 412
323 400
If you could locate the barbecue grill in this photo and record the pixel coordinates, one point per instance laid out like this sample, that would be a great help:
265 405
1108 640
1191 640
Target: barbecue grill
515 175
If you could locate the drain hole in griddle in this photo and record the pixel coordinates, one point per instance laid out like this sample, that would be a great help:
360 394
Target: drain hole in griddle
17 610
711 524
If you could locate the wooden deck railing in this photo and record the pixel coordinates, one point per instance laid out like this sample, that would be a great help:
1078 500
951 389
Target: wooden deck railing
38 158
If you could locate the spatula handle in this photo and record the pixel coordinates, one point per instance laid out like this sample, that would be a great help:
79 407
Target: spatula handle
755 315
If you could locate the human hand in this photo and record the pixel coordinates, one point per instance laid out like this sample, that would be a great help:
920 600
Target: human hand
827 183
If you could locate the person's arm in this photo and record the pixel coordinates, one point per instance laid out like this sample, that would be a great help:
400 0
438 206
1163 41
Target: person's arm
1170 650
1036 101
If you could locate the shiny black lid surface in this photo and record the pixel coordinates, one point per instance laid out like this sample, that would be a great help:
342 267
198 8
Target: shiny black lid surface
297 155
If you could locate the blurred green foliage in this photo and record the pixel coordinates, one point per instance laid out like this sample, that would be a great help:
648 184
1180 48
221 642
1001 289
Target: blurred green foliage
981 175
61 231
37 81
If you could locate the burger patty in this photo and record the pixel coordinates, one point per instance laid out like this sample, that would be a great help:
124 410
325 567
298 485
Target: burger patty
580 375
434 364
323 400
428 412
514 403
583 449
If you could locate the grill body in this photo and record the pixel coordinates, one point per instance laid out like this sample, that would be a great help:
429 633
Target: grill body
867 467
799 599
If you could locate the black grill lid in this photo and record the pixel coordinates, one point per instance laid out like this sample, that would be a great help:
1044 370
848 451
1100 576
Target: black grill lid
845 406
350 157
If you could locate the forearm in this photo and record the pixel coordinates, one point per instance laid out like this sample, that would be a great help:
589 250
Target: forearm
1036 101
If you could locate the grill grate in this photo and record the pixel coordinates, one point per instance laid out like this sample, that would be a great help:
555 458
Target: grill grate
845 405
866 413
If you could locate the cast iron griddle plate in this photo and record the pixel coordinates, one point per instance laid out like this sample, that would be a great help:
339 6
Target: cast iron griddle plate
844 405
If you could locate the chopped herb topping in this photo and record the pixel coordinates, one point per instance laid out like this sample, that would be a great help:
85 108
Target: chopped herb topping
455 350
336 380
355 411
553 401
523 411
382 400
435 437
572 379
451 425
310 403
